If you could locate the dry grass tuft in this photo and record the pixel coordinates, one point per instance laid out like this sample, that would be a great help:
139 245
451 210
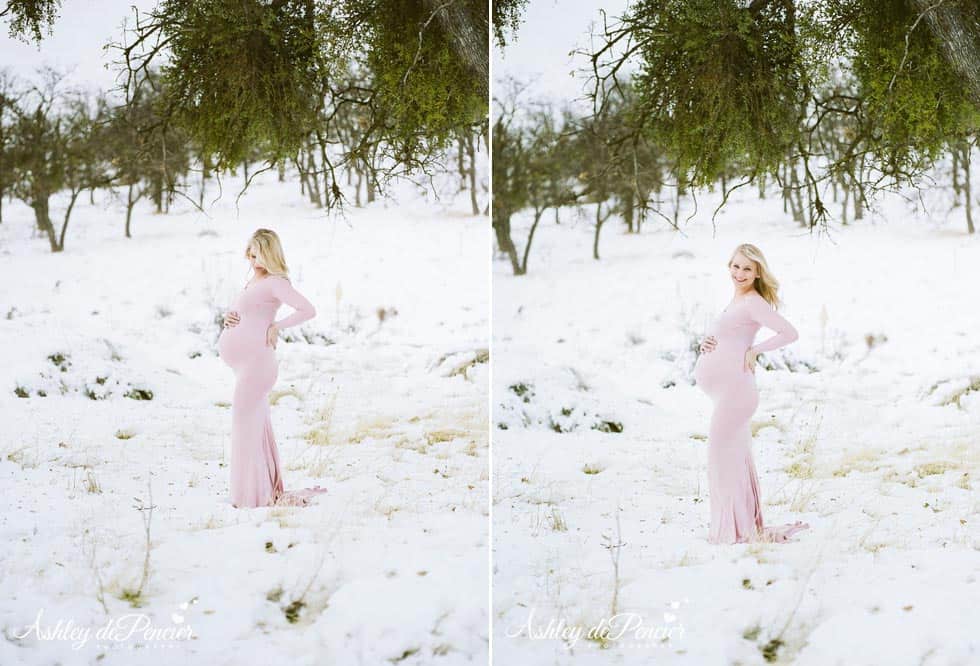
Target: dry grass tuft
864 460
277 395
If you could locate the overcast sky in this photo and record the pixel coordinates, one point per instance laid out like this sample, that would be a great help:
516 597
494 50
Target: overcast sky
75 44
540 50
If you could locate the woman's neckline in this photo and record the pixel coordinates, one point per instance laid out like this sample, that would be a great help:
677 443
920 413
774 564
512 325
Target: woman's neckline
739 300
253 279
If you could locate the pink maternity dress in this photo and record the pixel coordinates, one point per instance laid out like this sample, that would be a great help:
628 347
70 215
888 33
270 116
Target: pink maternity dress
256 475
736 513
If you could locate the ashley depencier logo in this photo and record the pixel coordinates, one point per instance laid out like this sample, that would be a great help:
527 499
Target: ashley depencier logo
122 631
628 629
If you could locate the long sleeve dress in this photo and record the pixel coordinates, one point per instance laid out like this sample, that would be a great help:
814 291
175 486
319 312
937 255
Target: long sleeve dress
736 513
256 474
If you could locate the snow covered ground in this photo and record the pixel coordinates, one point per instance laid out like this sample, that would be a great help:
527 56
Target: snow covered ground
382 399
868 428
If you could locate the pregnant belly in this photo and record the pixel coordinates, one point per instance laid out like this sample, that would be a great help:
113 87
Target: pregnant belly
720 369
238 344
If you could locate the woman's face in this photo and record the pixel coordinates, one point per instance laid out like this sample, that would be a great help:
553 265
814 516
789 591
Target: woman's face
253 259
744 271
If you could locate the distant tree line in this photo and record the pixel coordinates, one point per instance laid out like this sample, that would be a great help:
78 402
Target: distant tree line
351 94
828 102
546 158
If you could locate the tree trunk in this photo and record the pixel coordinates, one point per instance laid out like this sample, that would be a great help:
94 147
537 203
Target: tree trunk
204 176
460 164
501 227
327 189
858 194
538 212
957 30
156 192
130 202
599 220
369 184
786 190
847 202
313 183
677 204
642 204
64 225
43 219
471 152
967 194
796 198
956 177
301 172
469 34
628 212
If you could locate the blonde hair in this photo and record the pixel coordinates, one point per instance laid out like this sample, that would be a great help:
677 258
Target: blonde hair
765 284
269 251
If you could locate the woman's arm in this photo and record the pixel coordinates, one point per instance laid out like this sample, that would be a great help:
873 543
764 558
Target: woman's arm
283 290
762 313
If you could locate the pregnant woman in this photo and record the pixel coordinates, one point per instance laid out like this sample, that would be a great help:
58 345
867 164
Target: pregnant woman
725 370
247 343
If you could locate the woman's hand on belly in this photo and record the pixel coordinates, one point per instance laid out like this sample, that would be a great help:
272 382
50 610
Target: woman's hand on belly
708 344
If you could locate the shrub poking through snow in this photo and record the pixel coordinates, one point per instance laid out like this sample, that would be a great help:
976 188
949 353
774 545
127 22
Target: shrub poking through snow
61 376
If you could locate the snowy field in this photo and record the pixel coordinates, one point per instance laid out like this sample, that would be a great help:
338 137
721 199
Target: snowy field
382 399
868 428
